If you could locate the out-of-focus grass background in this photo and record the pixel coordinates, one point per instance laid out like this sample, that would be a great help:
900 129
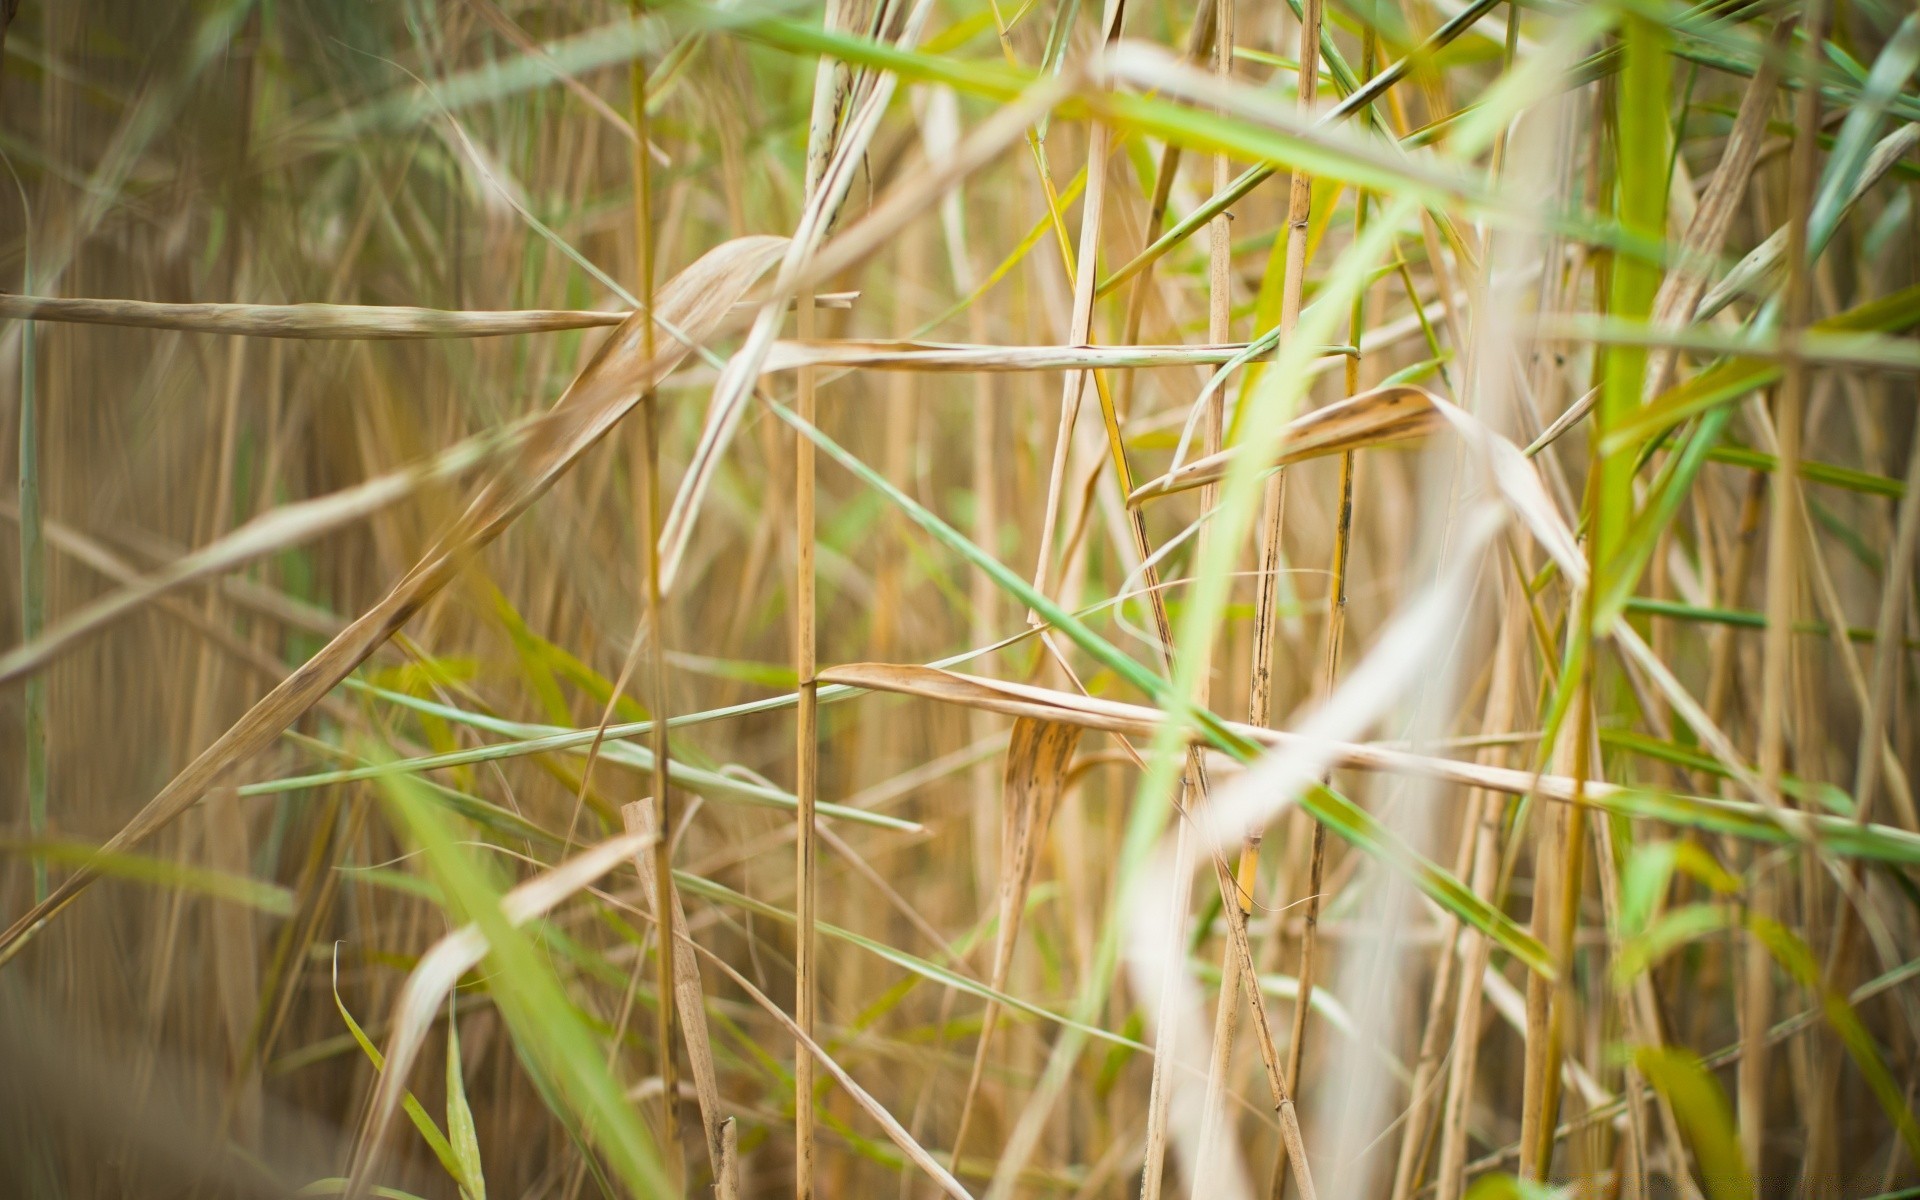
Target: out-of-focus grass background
1588 592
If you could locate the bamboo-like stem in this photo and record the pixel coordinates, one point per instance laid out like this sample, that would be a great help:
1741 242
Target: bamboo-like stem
984 598
661 811
1414 1144
1484 813
33 604
1079 331
830 89
1567 892
1237 900
316 322
1200 37
33 548
1266 604
1536 1082
1782 604
806 773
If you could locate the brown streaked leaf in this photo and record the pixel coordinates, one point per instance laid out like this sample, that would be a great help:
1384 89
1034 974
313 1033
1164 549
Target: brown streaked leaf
694 303
1395 413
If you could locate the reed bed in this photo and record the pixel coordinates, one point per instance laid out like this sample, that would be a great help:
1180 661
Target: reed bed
1251 598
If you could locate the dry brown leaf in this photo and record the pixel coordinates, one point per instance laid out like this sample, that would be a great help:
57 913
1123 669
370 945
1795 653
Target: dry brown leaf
1396 413
883 354
694 303
1137 720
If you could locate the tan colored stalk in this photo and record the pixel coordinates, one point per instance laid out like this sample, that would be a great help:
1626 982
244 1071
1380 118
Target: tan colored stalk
831 87
1266 605
1484 814
1414 1143
806 772
234 939
1238 901
1080 324
983 594
1200 36
1783 591
200 715
1567 893
1550 844
661 812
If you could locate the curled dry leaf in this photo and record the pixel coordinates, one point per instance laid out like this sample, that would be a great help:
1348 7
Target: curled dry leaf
691 306
1396 413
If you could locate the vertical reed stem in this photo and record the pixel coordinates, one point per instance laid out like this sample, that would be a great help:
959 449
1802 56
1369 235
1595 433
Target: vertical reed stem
33 601
807 764
657 697
1260 699
1219 331
1783 599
